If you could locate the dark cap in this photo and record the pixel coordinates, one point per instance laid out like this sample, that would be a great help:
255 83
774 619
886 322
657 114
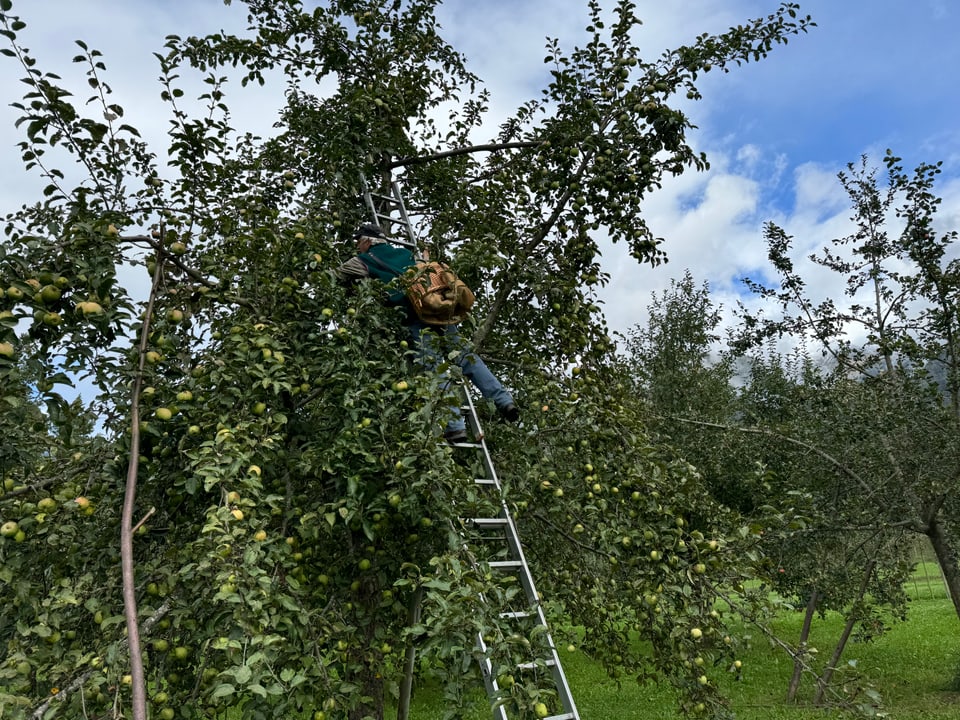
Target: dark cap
370 231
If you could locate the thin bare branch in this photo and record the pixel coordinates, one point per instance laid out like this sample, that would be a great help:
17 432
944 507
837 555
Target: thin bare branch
488 147
845 469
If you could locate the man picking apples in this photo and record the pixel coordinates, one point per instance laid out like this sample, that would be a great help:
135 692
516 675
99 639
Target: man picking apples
377 258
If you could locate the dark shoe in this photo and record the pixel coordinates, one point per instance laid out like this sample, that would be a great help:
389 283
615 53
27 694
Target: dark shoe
510 413
455 436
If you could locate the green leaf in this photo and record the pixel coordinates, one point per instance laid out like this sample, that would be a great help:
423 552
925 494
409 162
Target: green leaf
223 690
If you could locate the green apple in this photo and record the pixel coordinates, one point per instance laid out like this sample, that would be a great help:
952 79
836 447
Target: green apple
50 293
47 504
89 307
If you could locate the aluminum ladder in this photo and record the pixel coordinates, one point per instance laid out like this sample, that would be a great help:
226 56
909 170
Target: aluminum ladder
388 211
496 542
496 537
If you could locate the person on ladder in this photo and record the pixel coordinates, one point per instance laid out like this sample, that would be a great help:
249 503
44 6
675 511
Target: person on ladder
377 258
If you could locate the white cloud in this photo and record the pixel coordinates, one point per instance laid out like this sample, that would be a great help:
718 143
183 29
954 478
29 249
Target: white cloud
776 132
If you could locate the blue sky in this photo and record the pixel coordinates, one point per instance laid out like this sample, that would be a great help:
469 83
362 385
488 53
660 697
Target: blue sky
873 74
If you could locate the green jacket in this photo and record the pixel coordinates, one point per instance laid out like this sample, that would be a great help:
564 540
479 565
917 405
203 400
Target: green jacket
387 262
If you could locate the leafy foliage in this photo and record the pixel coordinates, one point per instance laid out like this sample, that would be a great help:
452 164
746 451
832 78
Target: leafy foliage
265 433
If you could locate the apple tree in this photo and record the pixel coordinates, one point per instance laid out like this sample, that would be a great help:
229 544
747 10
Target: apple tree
895 331
787 435
266 495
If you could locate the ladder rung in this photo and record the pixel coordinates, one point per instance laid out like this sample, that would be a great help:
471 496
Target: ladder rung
516 615
465 443
549 662
565 716
484 481
489 522
505 564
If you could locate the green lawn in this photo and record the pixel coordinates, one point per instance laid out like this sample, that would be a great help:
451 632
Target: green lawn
910 666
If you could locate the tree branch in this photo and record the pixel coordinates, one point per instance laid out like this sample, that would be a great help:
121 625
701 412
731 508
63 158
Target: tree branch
488 147
166 255
128 570
770 433
41 710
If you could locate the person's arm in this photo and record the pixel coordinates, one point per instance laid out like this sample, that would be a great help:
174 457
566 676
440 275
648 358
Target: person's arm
352 270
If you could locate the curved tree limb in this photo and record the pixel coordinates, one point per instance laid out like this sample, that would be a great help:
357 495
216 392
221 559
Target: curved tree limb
487 147
139 688
166 255
845 469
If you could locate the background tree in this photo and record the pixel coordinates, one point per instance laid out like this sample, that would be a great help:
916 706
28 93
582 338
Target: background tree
268 455
899 322
760 444
677 364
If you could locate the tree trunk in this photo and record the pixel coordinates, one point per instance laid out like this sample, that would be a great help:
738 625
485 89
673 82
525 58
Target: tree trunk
409 664
371 687
802 645
947 559
847 630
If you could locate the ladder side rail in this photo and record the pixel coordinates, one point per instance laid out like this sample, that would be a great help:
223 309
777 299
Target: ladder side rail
474 422
383 218
395 185
489 679
526 578
512 536
486 664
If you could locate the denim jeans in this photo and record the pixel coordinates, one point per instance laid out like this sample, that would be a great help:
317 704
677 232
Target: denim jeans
434 345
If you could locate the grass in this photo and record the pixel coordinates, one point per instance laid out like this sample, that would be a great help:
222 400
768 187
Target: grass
926 583
911 666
